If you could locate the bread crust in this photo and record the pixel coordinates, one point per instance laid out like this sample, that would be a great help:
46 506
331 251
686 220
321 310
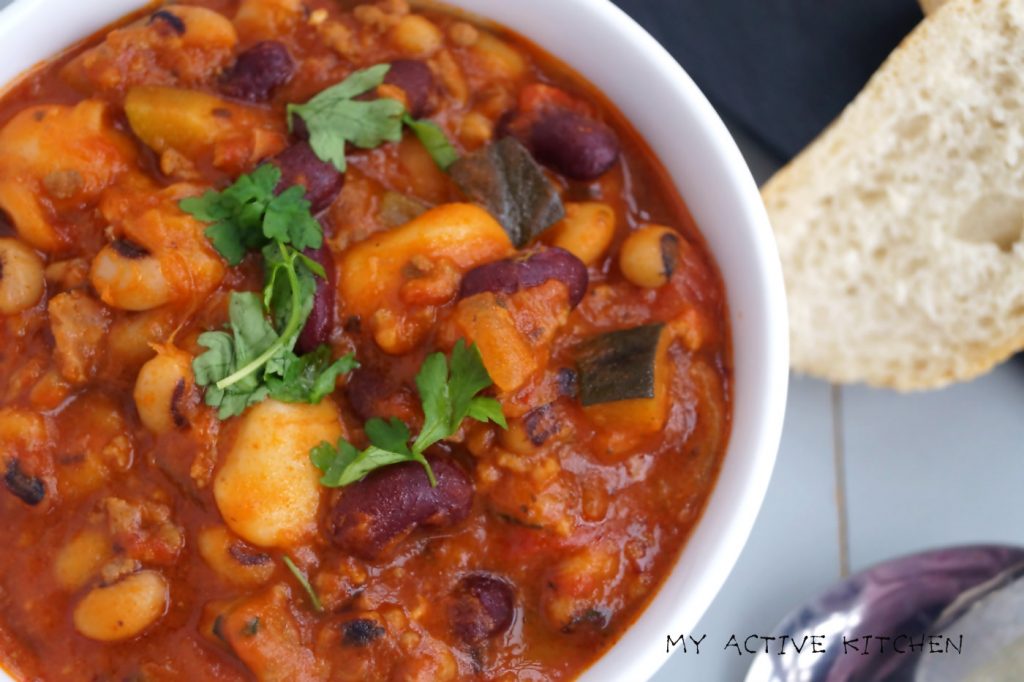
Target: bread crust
929 6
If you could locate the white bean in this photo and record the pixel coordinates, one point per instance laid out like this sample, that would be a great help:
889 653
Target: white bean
163 389
79 560
124 609
268 490
129 279
232 559
650 255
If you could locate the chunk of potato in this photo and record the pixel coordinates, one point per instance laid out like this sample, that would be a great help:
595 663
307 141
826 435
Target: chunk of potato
124 609
262 631
177 45
268 490
266 19
373 271
56 156
586 231
197 125
508 356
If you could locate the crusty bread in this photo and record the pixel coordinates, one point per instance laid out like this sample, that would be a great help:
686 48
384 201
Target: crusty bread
930 6
900 227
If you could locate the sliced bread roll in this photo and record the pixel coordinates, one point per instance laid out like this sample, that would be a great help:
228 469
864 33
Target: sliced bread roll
900 228
930 6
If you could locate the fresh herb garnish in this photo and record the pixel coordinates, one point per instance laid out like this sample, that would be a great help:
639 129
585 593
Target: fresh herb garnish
255 360
248 215
334 117
433 138
304 582
448 395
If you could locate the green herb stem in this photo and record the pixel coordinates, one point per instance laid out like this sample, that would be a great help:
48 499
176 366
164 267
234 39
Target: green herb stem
290 330
426 465
304 582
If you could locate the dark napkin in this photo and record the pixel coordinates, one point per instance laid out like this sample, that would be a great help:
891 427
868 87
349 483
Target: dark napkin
781 69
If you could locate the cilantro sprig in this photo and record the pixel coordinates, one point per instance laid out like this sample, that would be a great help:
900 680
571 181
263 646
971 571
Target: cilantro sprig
254 359
448 395
335 116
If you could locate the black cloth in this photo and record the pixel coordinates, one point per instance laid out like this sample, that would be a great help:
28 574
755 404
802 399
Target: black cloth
782 69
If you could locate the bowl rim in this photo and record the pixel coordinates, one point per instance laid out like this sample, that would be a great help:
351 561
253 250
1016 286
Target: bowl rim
28 31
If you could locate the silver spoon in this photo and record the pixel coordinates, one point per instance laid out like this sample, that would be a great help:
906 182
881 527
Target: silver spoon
945 600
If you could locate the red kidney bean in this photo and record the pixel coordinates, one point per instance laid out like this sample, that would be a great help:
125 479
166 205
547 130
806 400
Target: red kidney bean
529 270
258 70
483 606
417 80
317 329
572 144
367 390
375 514
300 165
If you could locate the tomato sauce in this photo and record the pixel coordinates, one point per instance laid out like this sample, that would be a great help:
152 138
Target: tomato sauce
576 512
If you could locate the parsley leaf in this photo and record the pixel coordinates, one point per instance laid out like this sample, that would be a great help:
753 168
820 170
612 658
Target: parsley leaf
256 359
334 117
253 362
468 367
447 398
310 378
433 138
248 215
251 336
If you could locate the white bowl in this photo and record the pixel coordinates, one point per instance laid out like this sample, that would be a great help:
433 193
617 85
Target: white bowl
652 90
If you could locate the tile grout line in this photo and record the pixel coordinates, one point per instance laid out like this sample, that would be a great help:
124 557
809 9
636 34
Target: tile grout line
839 462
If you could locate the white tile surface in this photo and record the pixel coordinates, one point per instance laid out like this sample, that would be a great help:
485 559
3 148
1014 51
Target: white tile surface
793 551
932 469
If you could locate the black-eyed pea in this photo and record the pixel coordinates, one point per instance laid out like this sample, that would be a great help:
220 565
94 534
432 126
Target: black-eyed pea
21 277
81 559
586 231
650 255
129 277
124 609
416 36
232 559
164 389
